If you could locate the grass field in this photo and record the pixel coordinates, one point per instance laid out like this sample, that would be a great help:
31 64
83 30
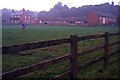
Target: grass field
16 35
13 34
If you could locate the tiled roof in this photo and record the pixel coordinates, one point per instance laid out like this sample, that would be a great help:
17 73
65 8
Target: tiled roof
102 14
16 13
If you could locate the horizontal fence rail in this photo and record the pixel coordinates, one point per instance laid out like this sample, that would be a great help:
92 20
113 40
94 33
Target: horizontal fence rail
72 72
34 67
114 34
63 75
87 37
29 46
111 44
84 52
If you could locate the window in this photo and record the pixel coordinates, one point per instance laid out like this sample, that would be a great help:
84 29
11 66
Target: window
25 21
40 21
100 18
15 22
106 18
104 21
25 17
12 21
29 17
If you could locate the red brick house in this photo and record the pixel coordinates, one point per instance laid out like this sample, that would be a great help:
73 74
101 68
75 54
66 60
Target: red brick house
22 17
100 18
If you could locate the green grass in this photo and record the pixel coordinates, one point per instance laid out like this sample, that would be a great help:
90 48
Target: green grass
13 34
16 35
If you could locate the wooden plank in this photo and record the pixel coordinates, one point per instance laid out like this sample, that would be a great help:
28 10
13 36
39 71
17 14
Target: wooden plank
35 45
28 46
34 67
114 52
114 43
73 56
89 63
106 49
87 37
63 75
113 62
114 34
84 52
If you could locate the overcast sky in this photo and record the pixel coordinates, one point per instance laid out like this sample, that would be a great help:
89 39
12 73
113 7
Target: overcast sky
40 5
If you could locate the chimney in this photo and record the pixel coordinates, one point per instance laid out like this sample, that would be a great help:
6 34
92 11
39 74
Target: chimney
23 11
112 3
13 10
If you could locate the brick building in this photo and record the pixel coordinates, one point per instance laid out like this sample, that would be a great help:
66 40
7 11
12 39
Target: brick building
93 19
62 21
22 17
100 18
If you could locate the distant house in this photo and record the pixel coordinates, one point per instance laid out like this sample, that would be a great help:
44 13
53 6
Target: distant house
100 18
15 18
22 17
18 17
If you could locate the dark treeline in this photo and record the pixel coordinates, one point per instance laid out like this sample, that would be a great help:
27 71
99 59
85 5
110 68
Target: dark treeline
60 10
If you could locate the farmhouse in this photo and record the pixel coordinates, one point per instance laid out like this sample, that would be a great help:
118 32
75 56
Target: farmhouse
22 17
100 18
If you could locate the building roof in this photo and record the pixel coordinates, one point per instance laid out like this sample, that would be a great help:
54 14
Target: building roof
16 13
102 14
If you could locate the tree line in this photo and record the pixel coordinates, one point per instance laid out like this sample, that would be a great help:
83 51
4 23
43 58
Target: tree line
60 10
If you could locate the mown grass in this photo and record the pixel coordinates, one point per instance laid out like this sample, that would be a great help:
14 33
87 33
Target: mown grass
13 34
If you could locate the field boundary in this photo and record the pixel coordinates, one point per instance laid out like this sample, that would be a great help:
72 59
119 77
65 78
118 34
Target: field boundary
73 40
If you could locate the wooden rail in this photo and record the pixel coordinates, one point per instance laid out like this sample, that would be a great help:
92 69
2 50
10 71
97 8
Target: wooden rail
29 46
34 67
35 45
73 40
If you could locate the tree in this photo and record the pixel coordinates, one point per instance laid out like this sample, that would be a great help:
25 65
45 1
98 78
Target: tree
6 15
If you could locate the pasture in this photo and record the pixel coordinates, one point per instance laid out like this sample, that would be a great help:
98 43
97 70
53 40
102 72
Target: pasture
14 34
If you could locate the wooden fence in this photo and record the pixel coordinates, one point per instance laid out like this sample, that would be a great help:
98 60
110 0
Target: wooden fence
73 40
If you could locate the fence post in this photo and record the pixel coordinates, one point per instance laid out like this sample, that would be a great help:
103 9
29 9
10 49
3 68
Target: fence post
73 57
106 49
